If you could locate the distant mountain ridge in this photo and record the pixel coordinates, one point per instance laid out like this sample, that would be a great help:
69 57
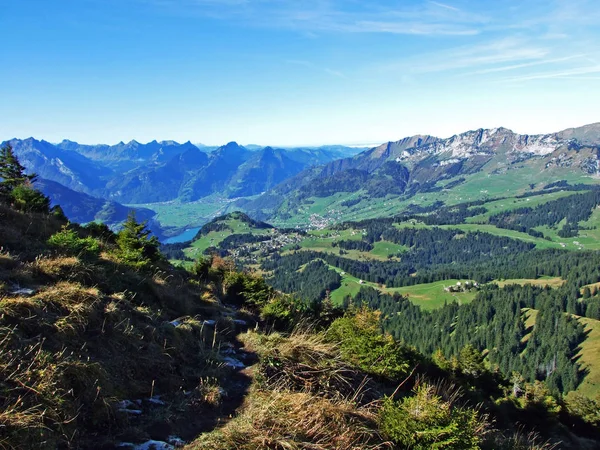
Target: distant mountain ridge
417 163
276 183
136 173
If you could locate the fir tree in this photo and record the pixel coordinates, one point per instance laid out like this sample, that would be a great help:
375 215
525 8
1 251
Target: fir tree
12 171
135 243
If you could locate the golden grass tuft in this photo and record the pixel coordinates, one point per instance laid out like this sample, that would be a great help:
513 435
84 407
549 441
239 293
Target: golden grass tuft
296 420
36 413
306 362
68 294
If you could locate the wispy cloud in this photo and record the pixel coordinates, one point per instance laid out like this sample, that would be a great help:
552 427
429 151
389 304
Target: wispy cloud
443 5
526 65
501 51
309 16
570 74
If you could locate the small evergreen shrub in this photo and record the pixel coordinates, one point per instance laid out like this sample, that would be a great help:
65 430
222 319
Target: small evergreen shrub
58 212
27 199
135 245
246 289
363 344
100 231
426 421
68 242
285 311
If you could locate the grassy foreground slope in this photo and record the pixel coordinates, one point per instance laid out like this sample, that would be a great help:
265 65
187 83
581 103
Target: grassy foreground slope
95 351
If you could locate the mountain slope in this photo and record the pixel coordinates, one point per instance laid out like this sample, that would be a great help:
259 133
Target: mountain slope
425 164
263 170
71 169
83 208
157 183
162 171
126 156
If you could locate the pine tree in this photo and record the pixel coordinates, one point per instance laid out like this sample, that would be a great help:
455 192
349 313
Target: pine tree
12 171
135 242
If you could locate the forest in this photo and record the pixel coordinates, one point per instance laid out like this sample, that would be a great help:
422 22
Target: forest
493 322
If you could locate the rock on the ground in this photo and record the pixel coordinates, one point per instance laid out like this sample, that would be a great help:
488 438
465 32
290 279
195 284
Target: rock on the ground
149 445
25 292
233 363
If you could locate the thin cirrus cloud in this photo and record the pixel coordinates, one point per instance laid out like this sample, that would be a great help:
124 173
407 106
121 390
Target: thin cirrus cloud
501 51
444 5
576 73
526 65
427 18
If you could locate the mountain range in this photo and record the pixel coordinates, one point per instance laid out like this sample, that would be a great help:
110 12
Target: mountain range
426 164
277 183
98 179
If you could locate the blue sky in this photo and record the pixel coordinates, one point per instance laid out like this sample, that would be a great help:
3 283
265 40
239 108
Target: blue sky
294 72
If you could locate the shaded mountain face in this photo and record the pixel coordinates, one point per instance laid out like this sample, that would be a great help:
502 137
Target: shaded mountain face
156 183
83 208
162 171
263 170
215 175
65 167
123 157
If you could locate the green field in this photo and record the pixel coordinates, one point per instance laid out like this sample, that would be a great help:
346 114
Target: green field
553 282
507 204
433 295
479 186
587 239
428 296
323 240
491 229
175 214
214 238
385 249
589 352
589 357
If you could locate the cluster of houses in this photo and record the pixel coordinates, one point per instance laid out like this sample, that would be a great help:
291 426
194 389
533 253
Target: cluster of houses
276 242
466 286
318 222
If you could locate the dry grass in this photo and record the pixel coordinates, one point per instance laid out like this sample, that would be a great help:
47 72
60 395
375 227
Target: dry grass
68 268
95 333
306 362
519 440
296 420
38 382
303 397
26 234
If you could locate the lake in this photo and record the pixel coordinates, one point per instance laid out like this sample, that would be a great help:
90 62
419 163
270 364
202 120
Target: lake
187 235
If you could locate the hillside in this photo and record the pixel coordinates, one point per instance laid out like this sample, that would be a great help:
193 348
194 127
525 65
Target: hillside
423 169
83 208
104 344
444 261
